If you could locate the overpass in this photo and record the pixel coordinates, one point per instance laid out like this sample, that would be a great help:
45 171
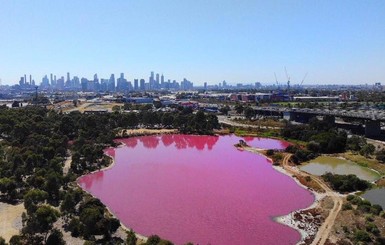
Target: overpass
371 118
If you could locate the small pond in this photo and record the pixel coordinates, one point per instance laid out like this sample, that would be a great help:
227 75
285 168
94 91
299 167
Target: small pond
324 164
376 196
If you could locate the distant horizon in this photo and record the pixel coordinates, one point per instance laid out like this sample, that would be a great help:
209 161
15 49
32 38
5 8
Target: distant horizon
335 42
229 83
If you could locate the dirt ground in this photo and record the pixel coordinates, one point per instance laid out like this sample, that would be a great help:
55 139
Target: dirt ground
10 219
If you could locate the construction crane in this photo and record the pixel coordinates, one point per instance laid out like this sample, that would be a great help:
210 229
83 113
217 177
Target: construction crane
303 79
276 80
288 80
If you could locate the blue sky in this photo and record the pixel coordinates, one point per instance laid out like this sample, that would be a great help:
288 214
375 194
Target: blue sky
339 42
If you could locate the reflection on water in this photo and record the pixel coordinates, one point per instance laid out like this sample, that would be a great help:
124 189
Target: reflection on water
199 189
151 142
376 196
265 143
324 164
89 181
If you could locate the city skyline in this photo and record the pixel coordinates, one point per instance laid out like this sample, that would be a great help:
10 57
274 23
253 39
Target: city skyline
335 42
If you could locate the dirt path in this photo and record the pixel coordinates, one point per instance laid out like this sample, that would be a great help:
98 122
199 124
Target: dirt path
326 227
67 163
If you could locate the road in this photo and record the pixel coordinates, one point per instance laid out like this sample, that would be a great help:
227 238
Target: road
325 229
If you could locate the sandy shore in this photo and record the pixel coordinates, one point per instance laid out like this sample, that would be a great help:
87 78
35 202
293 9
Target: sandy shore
306 230
10 219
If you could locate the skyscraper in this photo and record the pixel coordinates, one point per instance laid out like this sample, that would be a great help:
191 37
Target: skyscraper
157 81
142 84
21 82
68 78
152 80
111 83
162 81
136 84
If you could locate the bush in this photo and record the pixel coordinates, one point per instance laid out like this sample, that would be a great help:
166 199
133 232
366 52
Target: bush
372 228
313 146
55 238
270 152
345 229
355 199
2 241
369 218
350 197
347 206
346 183
362 236
292 149
131 238
153 240
376 209
363 207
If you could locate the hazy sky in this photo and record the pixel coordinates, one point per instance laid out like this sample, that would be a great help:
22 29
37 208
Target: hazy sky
203 40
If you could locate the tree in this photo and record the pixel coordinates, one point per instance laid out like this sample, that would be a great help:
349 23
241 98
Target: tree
225 110
16 240
239 108
52 185
153 240
55 238
167 119
249 112
46 216
367 150
116 108
131 238
42 220
2 241
32 198
157 104
8 187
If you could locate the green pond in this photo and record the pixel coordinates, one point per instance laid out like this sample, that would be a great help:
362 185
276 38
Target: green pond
324 164
376 196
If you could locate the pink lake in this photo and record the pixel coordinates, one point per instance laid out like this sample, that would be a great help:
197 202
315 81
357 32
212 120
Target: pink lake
199 189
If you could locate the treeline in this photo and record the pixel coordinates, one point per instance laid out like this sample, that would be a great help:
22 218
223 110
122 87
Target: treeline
346 183
322 136
34 145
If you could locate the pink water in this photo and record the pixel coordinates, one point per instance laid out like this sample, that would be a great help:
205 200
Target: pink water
199 189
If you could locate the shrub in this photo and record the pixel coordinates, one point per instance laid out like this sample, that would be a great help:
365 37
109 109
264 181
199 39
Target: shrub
372 228
350 197
347 206
376 209
362 236
270 152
